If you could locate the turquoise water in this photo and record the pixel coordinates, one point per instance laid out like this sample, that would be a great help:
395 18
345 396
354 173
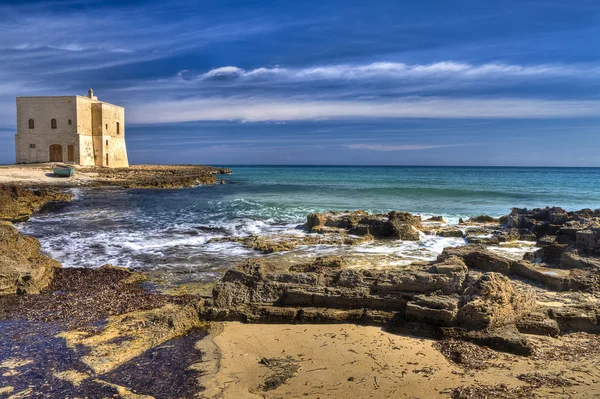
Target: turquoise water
173 228
453 191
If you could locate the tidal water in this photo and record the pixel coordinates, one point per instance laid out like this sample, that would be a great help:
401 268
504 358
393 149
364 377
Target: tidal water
172 229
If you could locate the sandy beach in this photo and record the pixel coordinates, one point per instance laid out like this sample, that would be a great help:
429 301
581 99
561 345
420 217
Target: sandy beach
41 174
352 361
135 176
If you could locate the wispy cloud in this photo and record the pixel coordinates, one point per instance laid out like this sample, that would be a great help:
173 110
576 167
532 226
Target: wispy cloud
408 147
280 109
397 70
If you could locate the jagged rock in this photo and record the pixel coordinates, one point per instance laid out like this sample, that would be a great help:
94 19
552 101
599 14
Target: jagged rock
546 240
551 253
478 257
398 282
156 176
509 235
450 265
490 301
18 203
451 232
325 284
538 323
320 263
556 279
572 319
435 309
288 242
439 219
400 225
588 241
506 339
483 219
483 240
574 260
23 268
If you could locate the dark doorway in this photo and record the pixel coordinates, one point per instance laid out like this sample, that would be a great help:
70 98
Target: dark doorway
70 153
56 153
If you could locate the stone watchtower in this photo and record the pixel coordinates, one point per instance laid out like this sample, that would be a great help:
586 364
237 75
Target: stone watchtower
74 129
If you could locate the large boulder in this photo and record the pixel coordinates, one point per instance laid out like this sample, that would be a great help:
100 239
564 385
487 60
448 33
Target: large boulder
490 301
588 241
439 310
540 221
477 257
23 268
400 225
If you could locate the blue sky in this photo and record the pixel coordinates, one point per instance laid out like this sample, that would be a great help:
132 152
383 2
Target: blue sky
432 82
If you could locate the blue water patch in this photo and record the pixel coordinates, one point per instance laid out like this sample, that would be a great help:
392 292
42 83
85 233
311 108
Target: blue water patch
173 228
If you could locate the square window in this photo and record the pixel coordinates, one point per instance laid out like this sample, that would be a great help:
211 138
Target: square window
31 145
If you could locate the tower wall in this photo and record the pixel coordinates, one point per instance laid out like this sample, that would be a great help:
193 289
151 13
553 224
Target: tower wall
33 144
89 132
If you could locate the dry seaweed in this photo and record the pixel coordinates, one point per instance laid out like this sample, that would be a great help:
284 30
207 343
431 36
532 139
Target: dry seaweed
282 370
81 297
465 354
571 347
539 380
500 391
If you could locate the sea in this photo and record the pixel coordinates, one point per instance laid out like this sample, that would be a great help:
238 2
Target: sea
186 230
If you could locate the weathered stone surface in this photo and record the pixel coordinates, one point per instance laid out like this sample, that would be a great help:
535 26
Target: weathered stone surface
571 319
289 242
18 203
156 176
574 260
483 240
490 302
439 219
556 279
482 219
436 309
23 268
538 323
552 253
505 339
451 232
398 282
509 235
478 257
588 241
400 225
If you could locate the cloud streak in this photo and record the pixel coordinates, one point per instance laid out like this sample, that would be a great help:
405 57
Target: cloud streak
397 70
408 147
256 109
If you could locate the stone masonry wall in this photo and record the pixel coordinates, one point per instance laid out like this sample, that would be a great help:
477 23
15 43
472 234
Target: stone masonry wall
42 110
96 130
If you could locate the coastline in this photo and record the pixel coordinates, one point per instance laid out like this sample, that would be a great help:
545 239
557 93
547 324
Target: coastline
135 176
107 320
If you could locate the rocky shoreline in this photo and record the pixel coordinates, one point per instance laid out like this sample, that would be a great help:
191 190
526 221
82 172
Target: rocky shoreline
92 329
136 176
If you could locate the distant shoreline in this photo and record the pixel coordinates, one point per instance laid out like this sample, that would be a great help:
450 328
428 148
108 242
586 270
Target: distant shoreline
136 176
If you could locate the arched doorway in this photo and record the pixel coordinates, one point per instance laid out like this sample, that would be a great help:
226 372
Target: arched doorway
56 153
